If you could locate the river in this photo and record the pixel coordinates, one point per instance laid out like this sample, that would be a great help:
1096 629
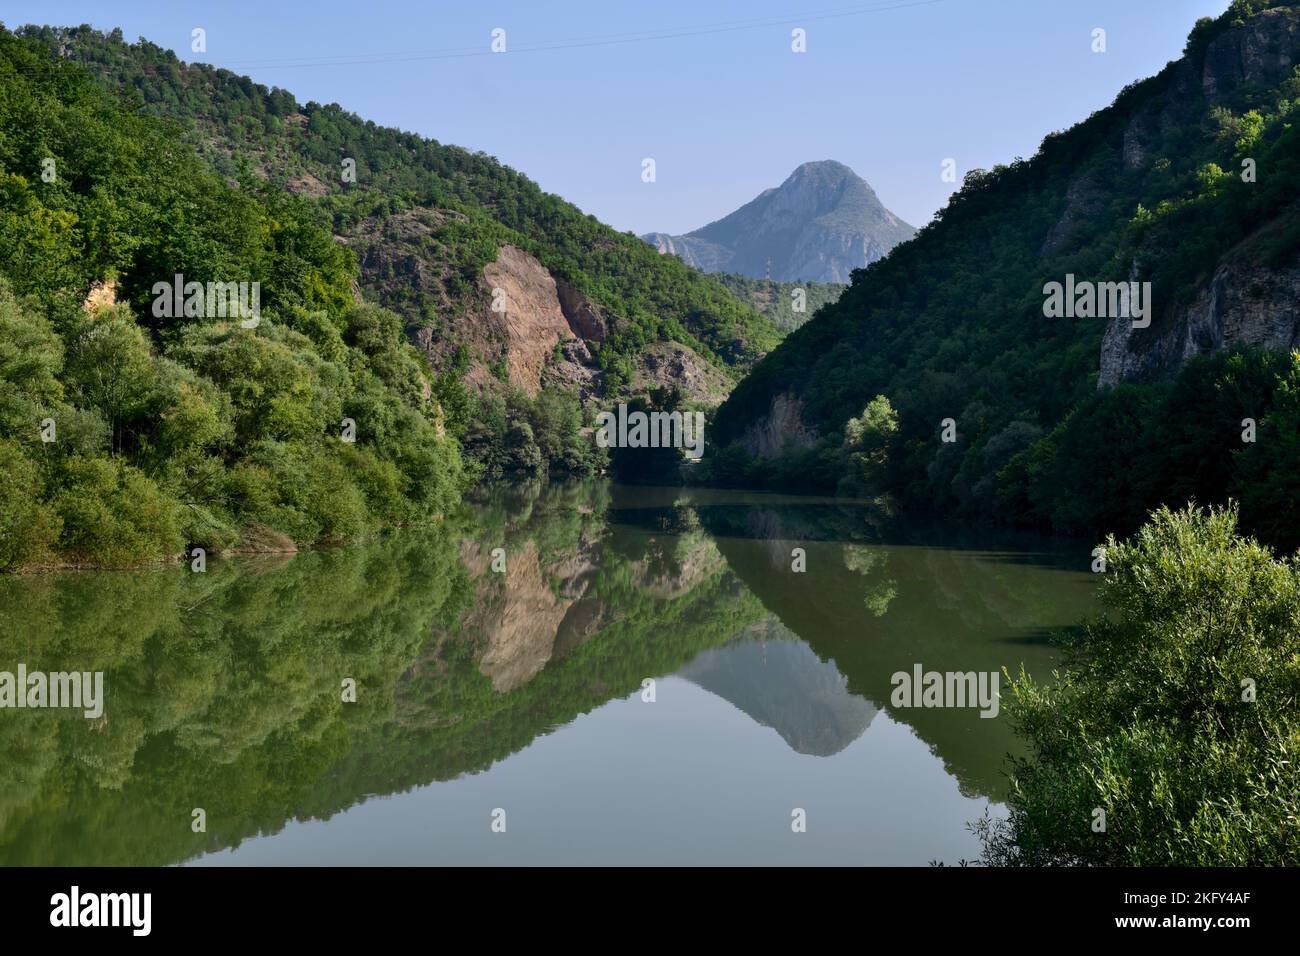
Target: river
558 674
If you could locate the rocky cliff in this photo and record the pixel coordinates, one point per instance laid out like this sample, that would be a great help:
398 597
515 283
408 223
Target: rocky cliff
1189 183
1245 300
430 222
1242 305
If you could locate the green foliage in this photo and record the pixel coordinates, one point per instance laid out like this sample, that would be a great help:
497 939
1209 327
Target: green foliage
868 440
1175 716
514 435
29 528
109 369
238 699
951 324
1121 453
112 514
653 465
130 433
776 300
215 689
31 357
451 207
1267 472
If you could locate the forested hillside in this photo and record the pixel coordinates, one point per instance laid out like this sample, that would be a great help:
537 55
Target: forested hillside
938 377
788 304
136 425
427 218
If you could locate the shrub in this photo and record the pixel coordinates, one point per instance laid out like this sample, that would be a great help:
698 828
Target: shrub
113 515
1176 714
28 528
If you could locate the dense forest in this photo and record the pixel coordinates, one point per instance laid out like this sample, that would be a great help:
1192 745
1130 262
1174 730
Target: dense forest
130 432
468 206
1189 174
788 304
232 121
424 220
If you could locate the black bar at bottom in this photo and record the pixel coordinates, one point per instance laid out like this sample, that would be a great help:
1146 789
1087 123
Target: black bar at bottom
212 905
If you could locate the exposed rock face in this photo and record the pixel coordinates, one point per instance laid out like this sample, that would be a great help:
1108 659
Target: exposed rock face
395 262
533 321
696 252
781 427
584 316
541 312
575 371
1258 52
1242 305
582 622
819 225
665 364
308 185
521 627
102 295
1084 198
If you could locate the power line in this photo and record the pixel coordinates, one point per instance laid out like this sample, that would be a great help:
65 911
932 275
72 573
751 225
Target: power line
545 46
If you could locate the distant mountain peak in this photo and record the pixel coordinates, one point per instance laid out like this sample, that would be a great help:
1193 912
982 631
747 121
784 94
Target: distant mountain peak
819 225
823 168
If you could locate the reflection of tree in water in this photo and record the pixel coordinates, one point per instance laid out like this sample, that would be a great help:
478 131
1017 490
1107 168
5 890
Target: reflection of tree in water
869 562
632 603
223 689
948 608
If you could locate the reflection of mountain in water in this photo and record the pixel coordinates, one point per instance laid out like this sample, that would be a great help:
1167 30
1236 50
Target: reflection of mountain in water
874 609
226 685
779 682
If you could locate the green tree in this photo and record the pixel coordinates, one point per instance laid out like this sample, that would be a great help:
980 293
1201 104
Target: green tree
113 515
29 528
1268 477
868 439
110 368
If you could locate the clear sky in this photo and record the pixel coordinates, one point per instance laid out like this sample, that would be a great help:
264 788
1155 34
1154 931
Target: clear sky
586 89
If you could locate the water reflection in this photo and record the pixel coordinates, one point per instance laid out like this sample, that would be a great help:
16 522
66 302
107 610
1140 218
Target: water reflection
777 680
536 609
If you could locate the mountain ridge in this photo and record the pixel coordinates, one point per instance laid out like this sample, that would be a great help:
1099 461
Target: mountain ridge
819 225
939 380
451 210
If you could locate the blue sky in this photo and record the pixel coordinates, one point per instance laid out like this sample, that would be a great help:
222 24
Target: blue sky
716 96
